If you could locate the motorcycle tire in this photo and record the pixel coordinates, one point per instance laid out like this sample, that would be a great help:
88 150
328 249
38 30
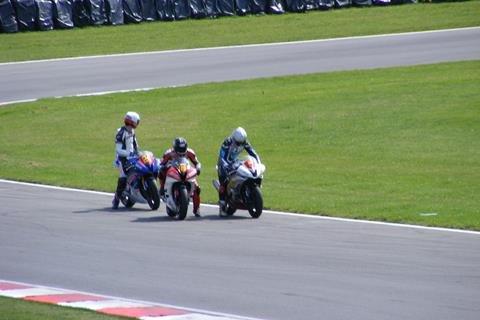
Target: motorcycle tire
255 207
127 202
182 203
171 213
152 196
230 210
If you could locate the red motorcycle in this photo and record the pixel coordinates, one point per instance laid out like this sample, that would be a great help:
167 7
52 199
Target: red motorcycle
180 186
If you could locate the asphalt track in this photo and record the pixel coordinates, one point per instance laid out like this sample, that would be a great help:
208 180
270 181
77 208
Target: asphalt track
281 267
276 267
87 75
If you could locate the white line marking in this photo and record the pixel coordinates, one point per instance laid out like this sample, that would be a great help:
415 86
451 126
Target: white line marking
291 214
30 292
17 101
243 46
206 312
103 304
192 316
99 93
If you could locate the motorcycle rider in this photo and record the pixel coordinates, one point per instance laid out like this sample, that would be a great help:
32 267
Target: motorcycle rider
231 148
126 146
180 149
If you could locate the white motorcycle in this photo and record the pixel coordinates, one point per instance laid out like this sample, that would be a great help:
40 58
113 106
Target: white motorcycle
179 187
243 188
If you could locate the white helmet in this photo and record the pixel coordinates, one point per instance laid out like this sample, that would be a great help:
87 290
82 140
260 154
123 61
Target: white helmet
132 119
239 136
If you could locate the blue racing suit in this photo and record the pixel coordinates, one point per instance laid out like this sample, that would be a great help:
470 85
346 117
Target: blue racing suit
229 152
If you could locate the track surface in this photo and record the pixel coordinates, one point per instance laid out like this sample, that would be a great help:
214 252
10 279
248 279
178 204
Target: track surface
276 267
32 80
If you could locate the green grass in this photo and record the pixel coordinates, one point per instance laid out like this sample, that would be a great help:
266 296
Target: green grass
237 30
16 309
383 144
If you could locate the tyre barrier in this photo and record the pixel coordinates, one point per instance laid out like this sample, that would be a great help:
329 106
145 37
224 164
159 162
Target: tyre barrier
29 15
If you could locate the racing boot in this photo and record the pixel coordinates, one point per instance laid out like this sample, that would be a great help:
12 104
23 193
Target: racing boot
121 185
196 202
221 202
162 192
115 202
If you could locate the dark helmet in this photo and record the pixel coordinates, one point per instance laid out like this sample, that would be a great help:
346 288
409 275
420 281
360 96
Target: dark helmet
180 146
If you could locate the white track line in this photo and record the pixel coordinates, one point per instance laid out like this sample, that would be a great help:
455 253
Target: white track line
292 214
244 46
130 301
17 101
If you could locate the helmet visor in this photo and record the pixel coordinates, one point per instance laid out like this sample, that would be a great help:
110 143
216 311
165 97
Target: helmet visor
130 122
181 150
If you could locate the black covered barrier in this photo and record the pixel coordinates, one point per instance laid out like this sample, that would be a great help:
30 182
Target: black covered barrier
44 15
362 3
212 8
226 7
198 9
25 12
275 6
319 4
7 17
148 10
80 14
96 12
132 11
258 6
62 14
114 12
295 5
182 9
165 10
343 3
242 7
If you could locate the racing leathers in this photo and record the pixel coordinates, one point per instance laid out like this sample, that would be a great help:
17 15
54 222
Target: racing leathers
125 146
229 152
169 156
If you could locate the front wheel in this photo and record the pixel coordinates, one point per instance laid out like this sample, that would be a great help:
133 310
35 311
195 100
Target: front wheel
151 194
255 205
182 201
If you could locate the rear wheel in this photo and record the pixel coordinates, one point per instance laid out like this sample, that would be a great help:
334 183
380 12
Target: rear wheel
255 205
151 194
230 210
127 202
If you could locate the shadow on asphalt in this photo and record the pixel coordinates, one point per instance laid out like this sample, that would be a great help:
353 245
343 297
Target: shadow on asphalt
110 210
189 218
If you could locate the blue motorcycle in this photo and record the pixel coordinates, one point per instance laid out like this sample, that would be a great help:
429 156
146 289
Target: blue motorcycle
141 182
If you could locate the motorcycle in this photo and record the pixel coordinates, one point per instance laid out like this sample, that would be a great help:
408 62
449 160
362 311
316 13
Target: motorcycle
141 182
243 187
179 187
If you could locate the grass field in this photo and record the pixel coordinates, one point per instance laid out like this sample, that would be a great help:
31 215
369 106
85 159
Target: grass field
387 144
237 30
15 309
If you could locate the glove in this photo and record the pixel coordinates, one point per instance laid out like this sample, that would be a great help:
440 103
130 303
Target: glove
229 169
198 167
